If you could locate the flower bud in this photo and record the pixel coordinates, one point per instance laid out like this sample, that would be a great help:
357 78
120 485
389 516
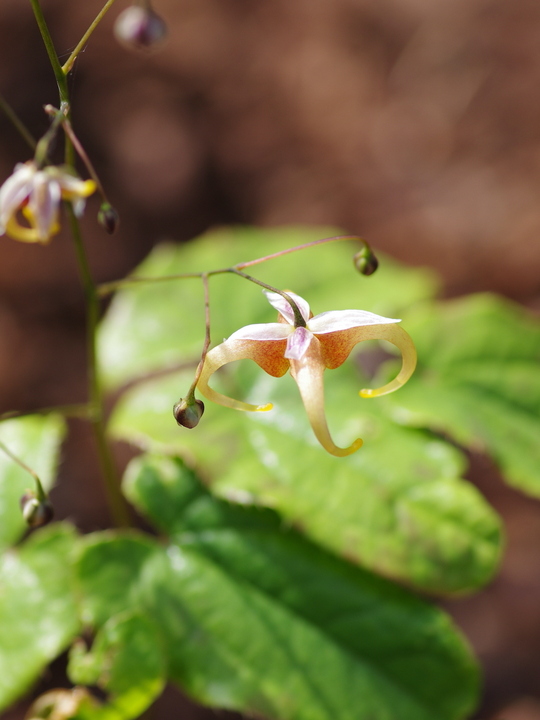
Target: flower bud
34 511
365 261
188 412
62 704
108 218
139 28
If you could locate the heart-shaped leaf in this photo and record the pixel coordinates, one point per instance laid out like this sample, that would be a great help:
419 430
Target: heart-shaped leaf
397 506
38 615
258 619
478 380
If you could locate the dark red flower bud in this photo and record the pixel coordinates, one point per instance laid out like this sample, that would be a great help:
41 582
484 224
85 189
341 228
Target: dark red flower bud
36 512
108 217
365 261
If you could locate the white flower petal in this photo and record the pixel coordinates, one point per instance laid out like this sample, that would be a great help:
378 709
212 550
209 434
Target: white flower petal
14 191
284 308
335 320
263 331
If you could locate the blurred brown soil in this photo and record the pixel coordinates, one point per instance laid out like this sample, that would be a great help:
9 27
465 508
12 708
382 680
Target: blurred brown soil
411 122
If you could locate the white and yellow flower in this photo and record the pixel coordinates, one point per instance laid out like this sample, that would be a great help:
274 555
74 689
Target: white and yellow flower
324 341
36 194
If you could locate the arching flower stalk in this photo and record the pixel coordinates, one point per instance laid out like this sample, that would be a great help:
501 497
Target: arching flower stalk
323 342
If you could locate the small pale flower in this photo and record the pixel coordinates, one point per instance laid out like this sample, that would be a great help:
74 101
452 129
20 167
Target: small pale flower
325 342
37 194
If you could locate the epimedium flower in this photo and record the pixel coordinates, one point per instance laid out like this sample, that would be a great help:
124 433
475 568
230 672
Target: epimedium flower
307 350
36 194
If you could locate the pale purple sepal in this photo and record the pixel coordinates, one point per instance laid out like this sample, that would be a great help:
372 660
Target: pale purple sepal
298 343
263 331
284 308
43 203
335 320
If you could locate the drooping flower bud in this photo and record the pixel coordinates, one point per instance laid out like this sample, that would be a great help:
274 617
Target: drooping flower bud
188 412
36 512
108 218
365 261
139 28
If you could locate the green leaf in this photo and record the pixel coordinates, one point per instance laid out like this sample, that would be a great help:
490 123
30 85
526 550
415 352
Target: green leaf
397 506
478 381
159 325
127 661
256 618
38 616
36 440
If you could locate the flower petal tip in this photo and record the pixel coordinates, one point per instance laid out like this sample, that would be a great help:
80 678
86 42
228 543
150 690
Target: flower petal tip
367 393
343 452
357 444
264 408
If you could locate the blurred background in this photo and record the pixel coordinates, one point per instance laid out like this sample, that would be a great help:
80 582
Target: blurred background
411 122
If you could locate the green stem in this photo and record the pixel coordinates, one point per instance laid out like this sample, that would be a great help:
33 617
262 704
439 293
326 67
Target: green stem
59 74
25 467
81 410
82 42
115 499
298 317
42 147
16 122
108 288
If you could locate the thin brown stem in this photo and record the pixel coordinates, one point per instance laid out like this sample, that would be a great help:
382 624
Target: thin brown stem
68 129
107 288
297 248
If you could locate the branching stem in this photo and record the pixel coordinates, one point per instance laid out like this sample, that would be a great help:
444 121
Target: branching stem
108 288
59 74
116 502
66 67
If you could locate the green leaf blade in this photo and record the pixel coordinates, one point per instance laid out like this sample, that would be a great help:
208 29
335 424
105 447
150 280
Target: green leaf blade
38 614
303 634
478 381
127 662
398 506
